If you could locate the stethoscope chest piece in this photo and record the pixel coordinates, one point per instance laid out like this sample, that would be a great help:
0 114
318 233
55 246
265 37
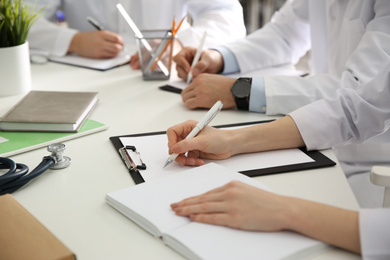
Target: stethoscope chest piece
57 150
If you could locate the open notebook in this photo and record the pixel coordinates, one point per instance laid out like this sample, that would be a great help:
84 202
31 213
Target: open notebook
148 205
96 64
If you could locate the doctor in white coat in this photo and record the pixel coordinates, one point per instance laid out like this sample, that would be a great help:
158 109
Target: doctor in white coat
349 42
223 19
353 115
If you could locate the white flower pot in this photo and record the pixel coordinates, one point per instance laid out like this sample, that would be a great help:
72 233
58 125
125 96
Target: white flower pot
15 71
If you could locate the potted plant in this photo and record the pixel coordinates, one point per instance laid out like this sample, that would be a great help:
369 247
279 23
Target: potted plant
16 19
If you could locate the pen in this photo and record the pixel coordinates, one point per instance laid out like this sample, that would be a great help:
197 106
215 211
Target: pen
95 23
159 52
197 56
201 124
98 27
139 34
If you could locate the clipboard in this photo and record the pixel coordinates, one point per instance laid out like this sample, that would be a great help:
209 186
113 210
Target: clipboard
320 160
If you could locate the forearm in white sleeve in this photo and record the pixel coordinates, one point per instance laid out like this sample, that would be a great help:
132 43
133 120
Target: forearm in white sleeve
49 37
353 115
374 227
257 101
355 60
222 19
282 41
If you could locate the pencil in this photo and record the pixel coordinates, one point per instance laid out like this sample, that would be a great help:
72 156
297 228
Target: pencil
171 41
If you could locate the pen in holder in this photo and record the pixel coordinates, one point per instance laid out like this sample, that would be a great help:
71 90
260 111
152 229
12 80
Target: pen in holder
155 54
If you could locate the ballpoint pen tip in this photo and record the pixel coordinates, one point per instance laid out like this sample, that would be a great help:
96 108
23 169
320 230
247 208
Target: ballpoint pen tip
168 162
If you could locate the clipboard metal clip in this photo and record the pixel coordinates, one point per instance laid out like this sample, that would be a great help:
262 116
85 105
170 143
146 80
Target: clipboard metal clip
130 164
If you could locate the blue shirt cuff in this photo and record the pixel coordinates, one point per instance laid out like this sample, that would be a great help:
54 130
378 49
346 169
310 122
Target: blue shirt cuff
257 101
229 60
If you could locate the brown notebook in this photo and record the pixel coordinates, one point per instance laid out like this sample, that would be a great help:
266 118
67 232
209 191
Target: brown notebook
49 111
22 236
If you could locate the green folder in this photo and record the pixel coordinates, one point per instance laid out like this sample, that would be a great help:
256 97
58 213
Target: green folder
12 143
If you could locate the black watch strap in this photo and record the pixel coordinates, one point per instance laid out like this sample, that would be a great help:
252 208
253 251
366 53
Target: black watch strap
241 91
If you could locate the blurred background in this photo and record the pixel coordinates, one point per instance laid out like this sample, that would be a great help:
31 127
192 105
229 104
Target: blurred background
259 12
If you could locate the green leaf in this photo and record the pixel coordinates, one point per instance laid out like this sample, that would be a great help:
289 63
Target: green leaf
16 19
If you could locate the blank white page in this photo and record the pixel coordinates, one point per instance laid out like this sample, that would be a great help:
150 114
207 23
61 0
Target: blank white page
152 199
203 241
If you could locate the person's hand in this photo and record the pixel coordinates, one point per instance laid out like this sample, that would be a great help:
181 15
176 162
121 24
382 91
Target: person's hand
206 89
210 143
96 44
135 62
237 205
217 144
210 61
242 206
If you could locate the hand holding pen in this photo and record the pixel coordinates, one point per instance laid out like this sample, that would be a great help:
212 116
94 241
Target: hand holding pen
210 61
95 23
196 57
97 44
176 132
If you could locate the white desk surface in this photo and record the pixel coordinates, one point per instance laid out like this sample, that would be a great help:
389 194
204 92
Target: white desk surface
71 202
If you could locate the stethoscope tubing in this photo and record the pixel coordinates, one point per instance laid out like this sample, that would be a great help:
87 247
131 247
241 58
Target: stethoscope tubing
17 176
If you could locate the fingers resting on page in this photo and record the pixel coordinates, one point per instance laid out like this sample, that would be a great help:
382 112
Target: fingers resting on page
237 205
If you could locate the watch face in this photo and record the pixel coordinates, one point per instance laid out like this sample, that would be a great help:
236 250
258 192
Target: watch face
241 88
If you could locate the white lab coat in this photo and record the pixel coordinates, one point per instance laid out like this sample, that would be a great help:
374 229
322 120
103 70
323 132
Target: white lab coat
374 225
358 115
349 42
223 19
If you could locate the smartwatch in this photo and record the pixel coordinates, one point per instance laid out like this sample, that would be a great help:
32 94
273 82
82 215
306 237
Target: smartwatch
241 91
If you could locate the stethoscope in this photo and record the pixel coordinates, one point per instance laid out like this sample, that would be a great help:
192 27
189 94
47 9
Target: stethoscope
17 175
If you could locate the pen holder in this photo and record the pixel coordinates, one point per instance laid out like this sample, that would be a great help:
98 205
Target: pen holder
155 54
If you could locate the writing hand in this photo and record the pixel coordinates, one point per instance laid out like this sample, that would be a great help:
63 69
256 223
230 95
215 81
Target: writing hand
210 62
210 143
96 44
206 89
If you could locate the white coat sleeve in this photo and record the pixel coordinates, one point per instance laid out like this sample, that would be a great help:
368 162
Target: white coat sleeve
351 116
374 226
222 19
285 94
282 41
45 35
